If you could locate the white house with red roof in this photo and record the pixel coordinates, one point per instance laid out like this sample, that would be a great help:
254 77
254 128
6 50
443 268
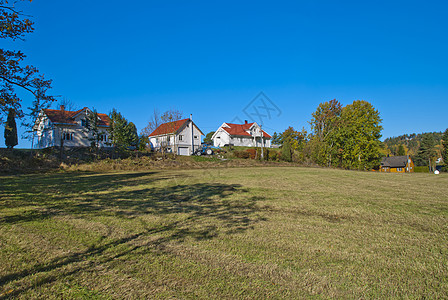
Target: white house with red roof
182 137
247 135
56 127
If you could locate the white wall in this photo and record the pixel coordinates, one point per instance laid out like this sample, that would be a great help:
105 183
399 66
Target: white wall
49 135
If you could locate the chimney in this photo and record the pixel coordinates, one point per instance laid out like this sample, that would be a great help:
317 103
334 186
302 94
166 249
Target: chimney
62 107
191 117
245 121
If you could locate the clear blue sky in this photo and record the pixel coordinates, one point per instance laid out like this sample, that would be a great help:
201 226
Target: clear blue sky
212 58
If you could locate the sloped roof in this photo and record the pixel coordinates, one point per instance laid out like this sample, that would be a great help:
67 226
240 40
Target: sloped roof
58 116
241 129
172 127
394 161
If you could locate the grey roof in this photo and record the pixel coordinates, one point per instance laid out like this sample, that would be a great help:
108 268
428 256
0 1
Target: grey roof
394 161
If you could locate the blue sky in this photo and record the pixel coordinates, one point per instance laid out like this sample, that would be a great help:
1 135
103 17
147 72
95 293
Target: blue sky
212 58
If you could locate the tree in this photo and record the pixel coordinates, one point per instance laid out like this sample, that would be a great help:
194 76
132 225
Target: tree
286 152
117 129
13 75
445 149
208 138
131 135
427 152
359 136
11 130
153 123
276 139
325 124
93 129
401 151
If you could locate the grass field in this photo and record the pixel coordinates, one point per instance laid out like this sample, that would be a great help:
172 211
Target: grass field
278 232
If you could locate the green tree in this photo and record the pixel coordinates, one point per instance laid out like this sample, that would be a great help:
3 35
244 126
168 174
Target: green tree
445 149
117 129
427 152
401 151
359 136
131 135
93 129
11 130
276 139
143 141
208 138
13 75
295 139
325 124
286 152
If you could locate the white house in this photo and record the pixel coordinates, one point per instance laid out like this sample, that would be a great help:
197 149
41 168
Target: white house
182 137
247 134
56 127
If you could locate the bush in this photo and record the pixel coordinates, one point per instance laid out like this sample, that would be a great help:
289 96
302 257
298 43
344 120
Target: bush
241 154
286 152
252 153
273 155
421 169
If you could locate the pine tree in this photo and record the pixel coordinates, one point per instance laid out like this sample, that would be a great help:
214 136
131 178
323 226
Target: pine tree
11 130
427 152
401 151
445 149
286 153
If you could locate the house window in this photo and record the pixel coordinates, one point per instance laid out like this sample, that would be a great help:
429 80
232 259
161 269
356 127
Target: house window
399 169
103 138
67 136
83 122
181 137
195 137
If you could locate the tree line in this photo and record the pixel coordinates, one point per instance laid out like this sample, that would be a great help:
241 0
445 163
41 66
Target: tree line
341 136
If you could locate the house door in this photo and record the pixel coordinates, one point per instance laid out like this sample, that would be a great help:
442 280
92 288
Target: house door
183 151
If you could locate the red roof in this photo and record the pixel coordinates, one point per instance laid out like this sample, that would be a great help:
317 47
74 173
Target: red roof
67 116
170 127
241 129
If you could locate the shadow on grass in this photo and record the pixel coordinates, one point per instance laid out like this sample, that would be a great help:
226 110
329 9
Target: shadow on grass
196 211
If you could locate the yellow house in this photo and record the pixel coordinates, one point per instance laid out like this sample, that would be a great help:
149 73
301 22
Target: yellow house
397 164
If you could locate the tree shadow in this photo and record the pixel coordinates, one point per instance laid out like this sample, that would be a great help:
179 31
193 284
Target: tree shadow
197 211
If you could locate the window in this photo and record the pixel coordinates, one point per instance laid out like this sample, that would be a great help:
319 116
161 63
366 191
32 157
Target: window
399 169
67 136
181 137
195 137
103 138
84 122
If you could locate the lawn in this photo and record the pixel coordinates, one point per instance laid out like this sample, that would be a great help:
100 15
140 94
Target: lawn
260 232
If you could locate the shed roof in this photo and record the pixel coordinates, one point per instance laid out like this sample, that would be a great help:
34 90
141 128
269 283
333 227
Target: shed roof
394 161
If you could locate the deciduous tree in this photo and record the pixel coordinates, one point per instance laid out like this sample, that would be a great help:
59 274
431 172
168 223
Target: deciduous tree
325 124
359 135
13 74
208 138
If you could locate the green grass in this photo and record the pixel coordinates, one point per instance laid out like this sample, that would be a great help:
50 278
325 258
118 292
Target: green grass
278 232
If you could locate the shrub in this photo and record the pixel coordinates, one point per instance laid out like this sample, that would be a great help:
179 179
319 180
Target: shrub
273 155
241 154
286 152
252 153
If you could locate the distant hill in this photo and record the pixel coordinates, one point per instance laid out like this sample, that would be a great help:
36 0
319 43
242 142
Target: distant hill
411 143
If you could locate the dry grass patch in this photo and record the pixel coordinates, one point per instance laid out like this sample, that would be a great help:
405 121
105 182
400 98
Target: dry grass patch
244 233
